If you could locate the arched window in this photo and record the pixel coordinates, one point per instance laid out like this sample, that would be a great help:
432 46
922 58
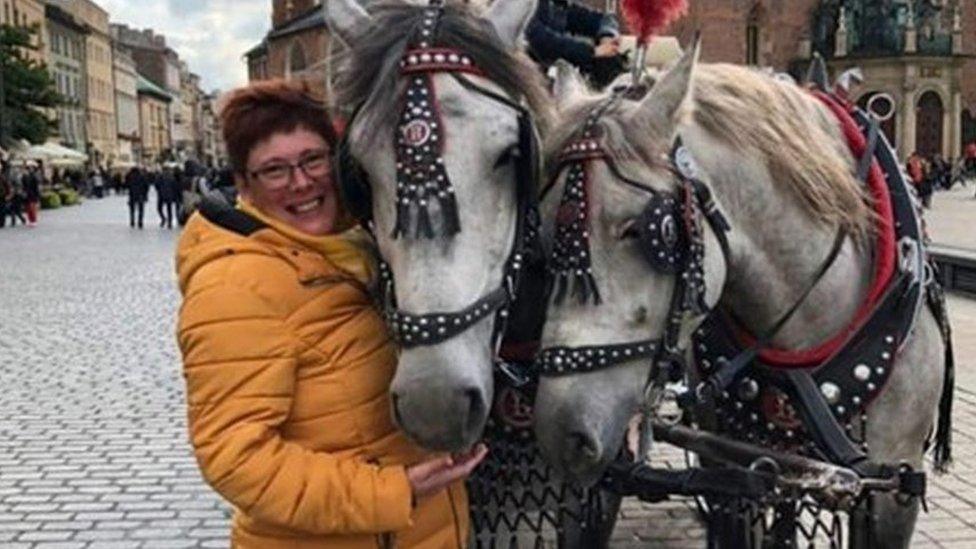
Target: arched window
928 124
296 59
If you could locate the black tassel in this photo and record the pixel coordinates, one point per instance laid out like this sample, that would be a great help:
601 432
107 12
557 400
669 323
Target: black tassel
452 222
581 289
424 228
561 286
402 220
596 290
942 454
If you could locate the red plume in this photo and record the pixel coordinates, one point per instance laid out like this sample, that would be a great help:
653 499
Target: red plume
647 17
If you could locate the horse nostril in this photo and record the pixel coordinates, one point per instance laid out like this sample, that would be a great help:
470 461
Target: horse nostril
584 445
476 409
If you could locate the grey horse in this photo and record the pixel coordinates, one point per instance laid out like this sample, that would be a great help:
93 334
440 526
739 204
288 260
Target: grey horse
780 170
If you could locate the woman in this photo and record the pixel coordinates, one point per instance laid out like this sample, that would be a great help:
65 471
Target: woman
286 359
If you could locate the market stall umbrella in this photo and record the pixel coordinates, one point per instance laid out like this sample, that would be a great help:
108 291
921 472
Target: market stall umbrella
56 154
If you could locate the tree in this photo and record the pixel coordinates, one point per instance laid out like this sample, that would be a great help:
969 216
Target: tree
26 89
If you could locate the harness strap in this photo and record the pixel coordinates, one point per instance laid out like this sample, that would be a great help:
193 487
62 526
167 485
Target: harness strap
821 423
218 209
864 164
726 371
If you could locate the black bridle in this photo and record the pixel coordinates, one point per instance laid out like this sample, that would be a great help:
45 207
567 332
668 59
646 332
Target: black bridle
423 179
670 231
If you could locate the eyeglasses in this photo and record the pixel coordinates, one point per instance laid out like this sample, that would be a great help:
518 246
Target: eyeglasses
278 175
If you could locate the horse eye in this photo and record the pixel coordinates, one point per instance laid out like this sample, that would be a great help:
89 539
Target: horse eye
508 156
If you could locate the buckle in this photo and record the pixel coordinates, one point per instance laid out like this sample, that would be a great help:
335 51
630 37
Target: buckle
518 376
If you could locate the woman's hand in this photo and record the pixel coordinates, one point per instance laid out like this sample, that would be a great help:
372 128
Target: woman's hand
430 477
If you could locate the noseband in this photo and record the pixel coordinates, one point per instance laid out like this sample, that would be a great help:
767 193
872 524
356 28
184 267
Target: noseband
671 239
422 180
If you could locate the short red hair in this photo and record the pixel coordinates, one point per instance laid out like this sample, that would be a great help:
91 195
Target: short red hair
256 112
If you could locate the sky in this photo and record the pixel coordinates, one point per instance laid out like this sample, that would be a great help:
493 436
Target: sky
210 35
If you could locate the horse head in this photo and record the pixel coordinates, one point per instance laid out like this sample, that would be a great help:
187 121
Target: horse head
618 219
436 160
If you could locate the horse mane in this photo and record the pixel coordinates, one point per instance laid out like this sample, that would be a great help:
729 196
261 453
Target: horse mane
794 135
366 73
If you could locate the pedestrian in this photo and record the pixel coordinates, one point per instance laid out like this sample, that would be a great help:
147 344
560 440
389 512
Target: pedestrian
117 185
587 39
97 182
927 186
4 192
138 187
15 197
165 197
287 360
32 194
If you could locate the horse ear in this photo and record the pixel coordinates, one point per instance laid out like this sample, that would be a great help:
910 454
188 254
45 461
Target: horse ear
511 18
344 17
569 85
665 103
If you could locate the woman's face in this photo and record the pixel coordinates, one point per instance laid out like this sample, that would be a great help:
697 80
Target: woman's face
289 177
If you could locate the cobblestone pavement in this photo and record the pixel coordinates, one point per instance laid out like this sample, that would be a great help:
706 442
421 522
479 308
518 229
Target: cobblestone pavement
951 217
93 449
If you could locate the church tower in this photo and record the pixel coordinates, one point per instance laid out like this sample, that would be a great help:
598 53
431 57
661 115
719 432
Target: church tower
283 11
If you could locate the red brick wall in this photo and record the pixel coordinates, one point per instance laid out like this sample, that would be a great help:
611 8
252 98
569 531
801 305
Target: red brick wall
968 83
280 13
313 42
723 27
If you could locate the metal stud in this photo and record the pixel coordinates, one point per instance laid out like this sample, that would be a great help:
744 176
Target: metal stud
830 391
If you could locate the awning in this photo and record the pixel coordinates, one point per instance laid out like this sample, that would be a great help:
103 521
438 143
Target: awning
55 154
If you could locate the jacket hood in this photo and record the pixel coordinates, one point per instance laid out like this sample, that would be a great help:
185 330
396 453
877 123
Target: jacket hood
219 230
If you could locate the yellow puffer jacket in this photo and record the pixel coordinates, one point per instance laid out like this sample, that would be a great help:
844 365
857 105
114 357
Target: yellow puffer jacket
288 366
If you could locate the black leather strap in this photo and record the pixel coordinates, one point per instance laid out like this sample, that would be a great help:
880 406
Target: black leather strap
651 484
864 163
821 423
220 211
727 370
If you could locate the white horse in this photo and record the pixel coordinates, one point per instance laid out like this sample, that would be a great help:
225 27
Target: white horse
781 172
445 82
443 390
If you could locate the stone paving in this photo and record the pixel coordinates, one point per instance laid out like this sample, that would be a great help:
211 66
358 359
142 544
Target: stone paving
93 449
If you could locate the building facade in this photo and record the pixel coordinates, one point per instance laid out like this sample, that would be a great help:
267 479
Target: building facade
100 123
296 47
915 55
126 108
66 38
27 14
184 115
214 152
154 120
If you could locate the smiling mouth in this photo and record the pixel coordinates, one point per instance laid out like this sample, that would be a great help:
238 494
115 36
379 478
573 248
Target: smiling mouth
305 207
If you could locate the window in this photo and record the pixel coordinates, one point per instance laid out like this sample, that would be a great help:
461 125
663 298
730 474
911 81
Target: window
296 59
16 16
6 12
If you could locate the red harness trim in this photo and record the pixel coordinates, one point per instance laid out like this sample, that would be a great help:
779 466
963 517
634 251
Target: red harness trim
885 251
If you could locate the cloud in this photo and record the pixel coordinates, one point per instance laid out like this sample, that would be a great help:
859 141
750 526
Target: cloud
211 36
